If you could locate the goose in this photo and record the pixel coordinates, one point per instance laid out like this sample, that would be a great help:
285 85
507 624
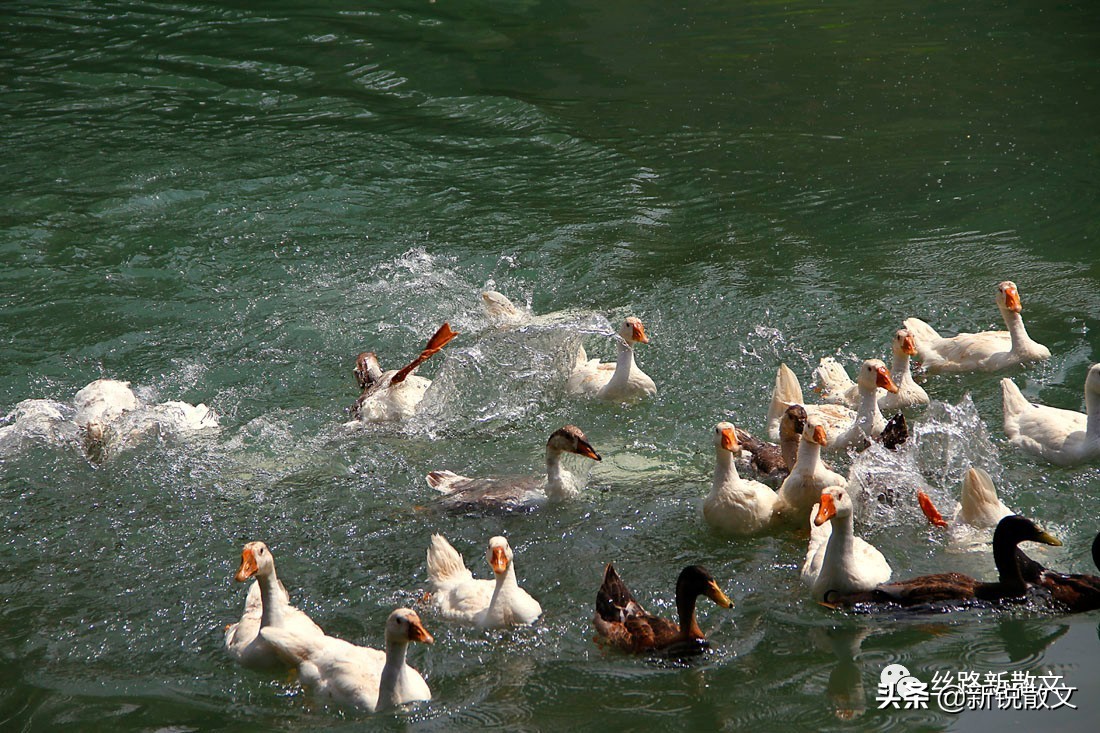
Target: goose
987 351
457 596
271 609
622 381
735 505
956 589
622 623
393 396
979 505
837 387
843 426
518 492
500 310
841 561
357 676
771 461
809 477
1074 593
1063 437
99 404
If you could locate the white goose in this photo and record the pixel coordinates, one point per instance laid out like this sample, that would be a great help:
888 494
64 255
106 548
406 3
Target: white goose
979 506
1064 437
844 562
622 381
393 396
843 426
357 676
735 505
987 351
809 477
457 596
267 606
837 387
518 492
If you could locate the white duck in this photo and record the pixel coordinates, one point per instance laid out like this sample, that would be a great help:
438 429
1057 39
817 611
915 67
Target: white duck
979 506
518 492
270 609
843 426
393 396
844 562
987 351
735 505
501 311
1064 437
837 387
803 487
622 381
98 405
496 603
357 676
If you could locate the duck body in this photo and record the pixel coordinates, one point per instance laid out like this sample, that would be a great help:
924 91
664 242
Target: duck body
809 477
979 505
623 381
356 676
771 461
735 505
1070 592
512 493
244 640
623 624
394 395
841 562
838 388
986 351
1063 437
458 596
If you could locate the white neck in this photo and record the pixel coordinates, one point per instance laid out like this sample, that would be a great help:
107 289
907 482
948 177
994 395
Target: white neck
1016 330
389 687
899 370
624 364
839 549
559 482
502 593
725 472
868 413
1092 409
272 597
809 454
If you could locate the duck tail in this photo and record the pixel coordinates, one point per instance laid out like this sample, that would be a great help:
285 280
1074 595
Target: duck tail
786 392
977 489
444 562
922 332
1014 404
831 380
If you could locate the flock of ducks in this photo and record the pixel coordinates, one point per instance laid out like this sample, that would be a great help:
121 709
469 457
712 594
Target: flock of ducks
796 488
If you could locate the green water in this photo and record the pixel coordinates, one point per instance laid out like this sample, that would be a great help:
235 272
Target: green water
224 202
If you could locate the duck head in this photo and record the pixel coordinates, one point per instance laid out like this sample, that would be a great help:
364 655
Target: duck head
570 439
904 344
815 433
835 502
499 554
793 422
404 626
632 331
725 437
1008 297
256 560
873 374
695 580
367 369
1014 529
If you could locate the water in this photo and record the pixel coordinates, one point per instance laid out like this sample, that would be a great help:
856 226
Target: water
224 204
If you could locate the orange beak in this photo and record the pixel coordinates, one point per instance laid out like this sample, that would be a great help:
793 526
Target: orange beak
729 440
585 449
248 566
499 561
826 510
819 435
639 333
417 632
909 345
883 379
1012 300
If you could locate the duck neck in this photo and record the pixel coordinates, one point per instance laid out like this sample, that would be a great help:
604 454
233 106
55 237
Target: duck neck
559 482
1092 410
840 545
788 446
1016 331
388 693
1008 570
725 472
899 369
809 454
506 583
685 608
868 413
624 364
272 597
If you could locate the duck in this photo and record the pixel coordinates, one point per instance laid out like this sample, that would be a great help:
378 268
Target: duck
837 559
735 505
622 381
518 492
835 386
987 351
457 596
1075 593
267 606
394 395
956 589
979 506
98 404
809 477
354 676
501 311
770 460
1062 437
843 426
622 623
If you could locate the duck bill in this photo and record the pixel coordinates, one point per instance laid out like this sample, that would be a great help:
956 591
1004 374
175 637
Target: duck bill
1012 300
584 448
417 632
820 436
639 333
909 345
715 593
1048 539
499 561
884 380
729 441
826 510
248 566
